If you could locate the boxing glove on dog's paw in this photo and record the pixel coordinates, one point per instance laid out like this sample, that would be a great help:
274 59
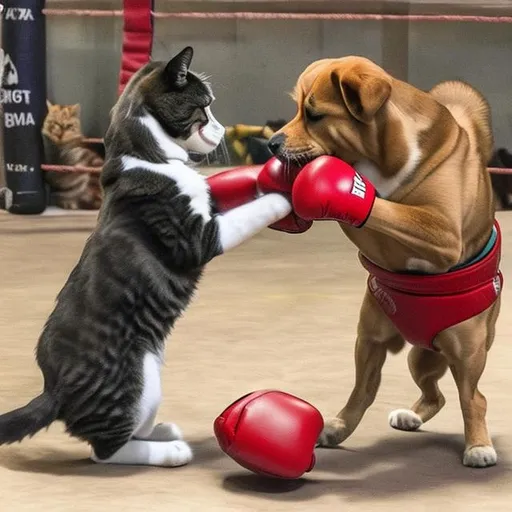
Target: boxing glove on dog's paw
271 433
330 189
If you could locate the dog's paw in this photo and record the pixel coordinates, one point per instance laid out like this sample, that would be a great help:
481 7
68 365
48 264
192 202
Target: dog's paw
480 457
333 433
405 419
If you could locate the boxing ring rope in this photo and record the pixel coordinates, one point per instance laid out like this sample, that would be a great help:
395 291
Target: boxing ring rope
93 140
262 16
77 168
138 32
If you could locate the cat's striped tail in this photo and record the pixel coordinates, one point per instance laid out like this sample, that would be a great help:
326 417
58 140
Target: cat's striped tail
28 420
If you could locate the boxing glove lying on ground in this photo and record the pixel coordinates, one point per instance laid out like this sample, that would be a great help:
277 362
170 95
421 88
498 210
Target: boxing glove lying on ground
271 433
240 185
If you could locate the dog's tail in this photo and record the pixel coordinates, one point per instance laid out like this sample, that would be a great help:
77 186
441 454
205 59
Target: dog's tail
28 420
471 111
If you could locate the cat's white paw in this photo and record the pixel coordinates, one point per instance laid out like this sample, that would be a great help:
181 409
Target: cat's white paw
166 432
150 453
404 419
178 453
480 457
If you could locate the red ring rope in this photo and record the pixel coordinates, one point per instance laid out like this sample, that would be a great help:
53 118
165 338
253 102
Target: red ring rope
332 16
101 13
92 140
137 38
499 170
290 16
70 168
77 168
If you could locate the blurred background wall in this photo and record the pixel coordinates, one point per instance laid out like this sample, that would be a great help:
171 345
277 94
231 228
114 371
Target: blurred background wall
254 64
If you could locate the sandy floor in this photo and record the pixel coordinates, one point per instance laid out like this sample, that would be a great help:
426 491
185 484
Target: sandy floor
278 312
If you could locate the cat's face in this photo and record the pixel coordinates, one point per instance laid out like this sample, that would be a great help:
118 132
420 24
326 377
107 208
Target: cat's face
181 102
62 123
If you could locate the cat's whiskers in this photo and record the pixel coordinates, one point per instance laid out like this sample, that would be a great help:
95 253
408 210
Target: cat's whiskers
223 147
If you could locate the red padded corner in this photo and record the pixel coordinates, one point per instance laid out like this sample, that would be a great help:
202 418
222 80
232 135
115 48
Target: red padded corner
137 38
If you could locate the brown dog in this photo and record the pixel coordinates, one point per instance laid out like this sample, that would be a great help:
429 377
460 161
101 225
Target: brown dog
426 154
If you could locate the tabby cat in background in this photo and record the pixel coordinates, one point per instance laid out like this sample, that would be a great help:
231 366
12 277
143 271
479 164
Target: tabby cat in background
64 145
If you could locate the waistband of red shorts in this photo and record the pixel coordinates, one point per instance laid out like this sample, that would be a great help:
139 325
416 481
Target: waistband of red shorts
455 281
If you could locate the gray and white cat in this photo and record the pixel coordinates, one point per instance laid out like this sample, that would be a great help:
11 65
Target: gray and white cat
101 348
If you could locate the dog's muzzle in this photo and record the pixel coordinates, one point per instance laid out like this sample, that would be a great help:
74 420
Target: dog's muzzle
207 138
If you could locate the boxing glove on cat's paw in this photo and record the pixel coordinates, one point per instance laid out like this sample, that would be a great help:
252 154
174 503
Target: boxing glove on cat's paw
237 186
330 189
234 187
270 432
275 176
292 224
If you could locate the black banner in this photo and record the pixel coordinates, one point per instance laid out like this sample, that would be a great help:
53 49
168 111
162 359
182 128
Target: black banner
23 96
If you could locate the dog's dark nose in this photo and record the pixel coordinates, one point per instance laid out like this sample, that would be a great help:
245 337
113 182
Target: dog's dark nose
275 144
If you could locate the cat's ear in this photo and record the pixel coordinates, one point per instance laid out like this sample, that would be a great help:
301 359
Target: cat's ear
75 109
177 68
49 104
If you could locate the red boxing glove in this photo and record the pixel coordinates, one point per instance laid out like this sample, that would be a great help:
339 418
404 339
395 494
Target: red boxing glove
275 176
234 187
271 433
329 189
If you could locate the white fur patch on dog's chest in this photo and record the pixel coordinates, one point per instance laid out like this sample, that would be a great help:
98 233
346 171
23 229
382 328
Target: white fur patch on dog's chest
387 186
189 181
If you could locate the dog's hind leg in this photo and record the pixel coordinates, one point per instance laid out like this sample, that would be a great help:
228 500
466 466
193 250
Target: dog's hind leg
465 346
376 335
479 451
426 367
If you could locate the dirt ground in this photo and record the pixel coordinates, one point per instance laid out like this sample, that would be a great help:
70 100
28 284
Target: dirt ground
278 312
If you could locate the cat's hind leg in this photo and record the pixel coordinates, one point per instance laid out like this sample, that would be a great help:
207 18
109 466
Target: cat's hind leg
160 444
149 404
150 444
163 432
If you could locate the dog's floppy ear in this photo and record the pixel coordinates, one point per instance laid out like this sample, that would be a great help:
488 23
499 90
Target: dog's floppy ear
177 68
363 92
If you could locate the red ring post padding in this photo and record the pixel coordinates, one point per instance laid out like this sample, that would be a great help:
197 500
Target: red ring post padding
137 38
